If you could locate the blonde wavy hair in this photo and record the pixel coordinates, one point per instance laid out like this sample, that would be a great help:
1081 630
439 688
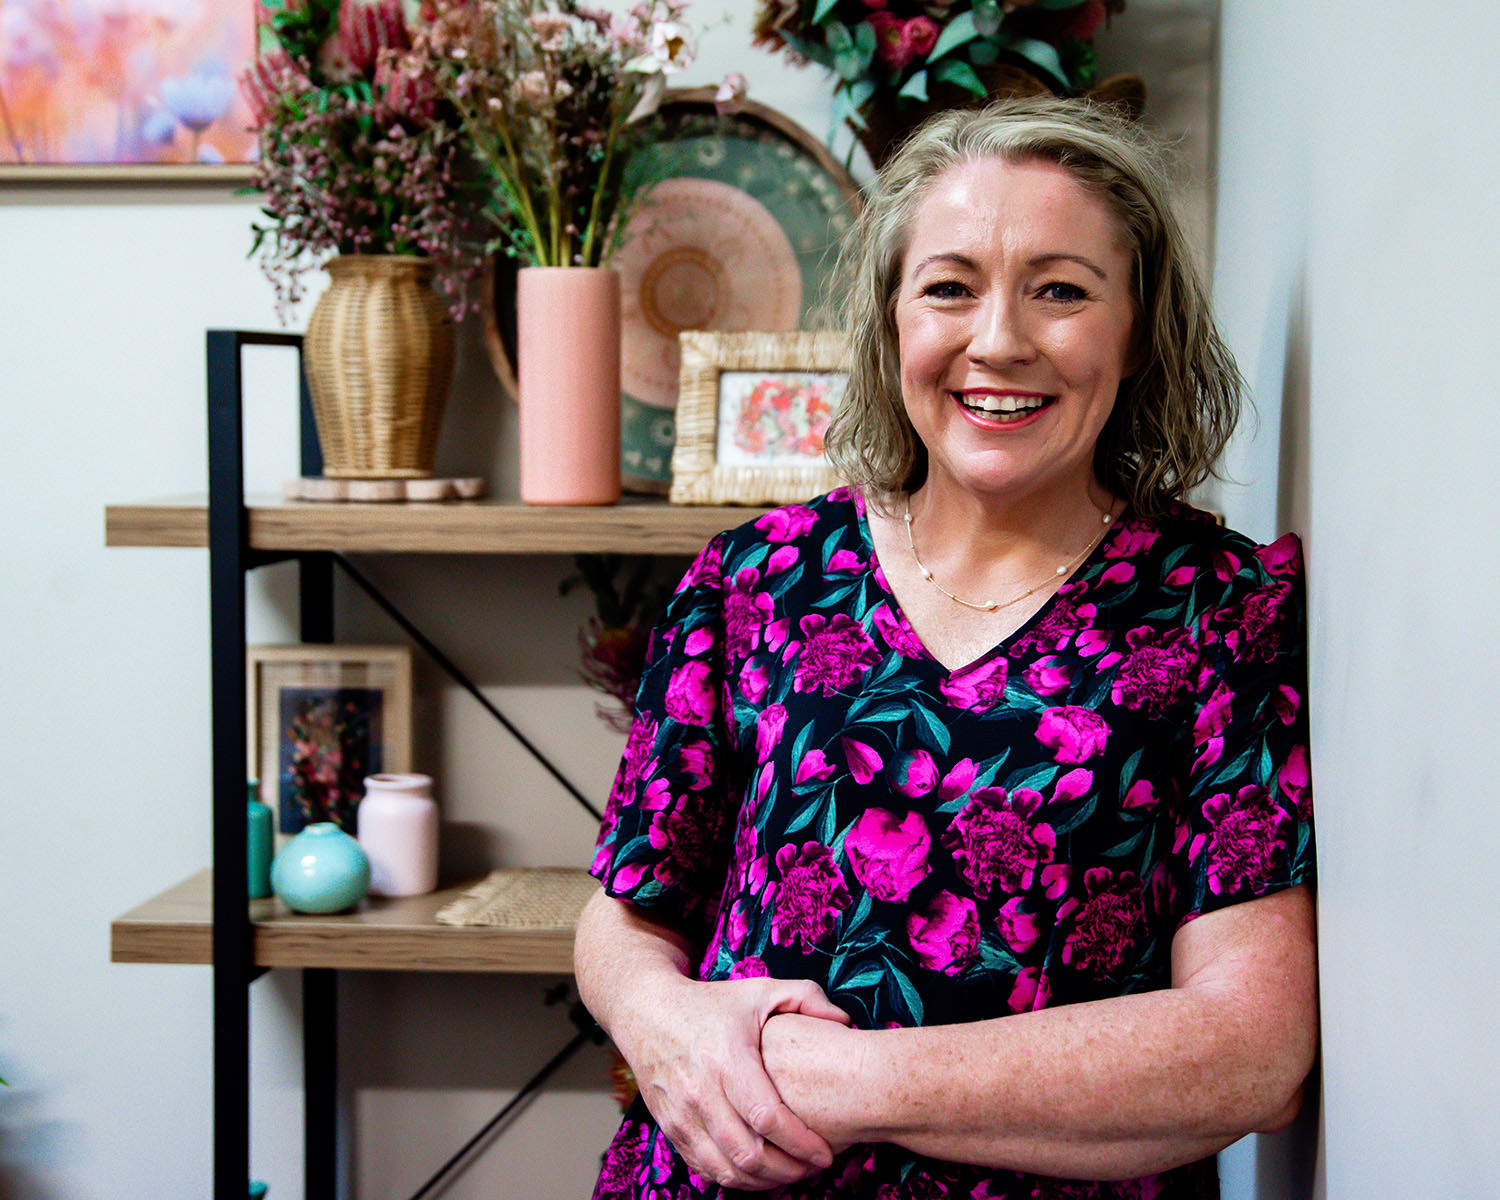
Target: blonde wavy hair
1173 414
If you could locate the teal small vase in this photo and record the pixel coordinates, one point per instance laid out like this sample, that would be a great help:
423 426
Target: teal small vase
258 844
321 870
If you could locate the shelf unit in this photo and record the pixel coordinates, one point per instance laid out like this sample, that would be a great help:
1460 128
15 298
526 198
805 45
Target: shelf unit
206 918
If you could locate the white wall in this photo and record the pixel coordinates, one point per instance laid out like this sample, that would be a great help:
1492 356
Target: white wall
1357 265
104 296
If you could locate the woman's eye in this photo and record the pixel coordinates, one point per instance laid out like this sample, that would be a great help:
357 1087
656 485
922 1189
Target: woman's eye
947 289
1065 293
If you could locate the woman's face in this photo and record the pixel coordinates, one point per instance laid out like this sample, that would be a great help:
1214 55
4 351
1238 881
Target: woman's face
1014 317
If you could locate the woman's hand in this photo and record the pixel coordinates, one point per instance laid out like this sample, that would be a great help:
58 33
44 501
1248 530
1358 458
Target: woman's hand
695 1049
811 1064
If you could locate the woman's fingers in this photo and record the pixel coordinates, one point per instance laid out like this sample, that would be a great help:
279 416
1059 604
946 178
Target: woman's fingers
810 1000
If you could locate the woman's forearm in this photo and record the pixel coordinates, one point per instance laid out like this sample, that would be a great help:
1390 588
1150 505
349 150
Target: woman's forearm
1110 1089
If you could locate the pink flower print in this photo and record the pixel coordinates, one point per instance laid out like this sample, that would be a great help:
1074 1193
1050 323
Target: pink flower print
1226 565
777 633
1295 779
1139 795
1031 990
689 840
1059 622
736 925
1287 703
1132 537
886 855
1076 783
768 729
657 795
662 1158
624 1163
787 524
1107 925
1213 717
835 653
916 774
695 759
1117 573
1056 880
810 896
1242 849
755 681
993 840
707 568
864 762
749 968
690 694
845 560
1283 556
945 934
746 611
1020 929
698 643
814 765
1156 672
923 35
1073 734
957 781
898 635
783 558
1255 623
1181 577
1048 676
976 688
636 760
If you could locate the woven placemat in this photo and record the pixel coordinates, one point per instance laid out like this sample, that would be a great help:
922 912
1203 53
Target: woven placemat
536 898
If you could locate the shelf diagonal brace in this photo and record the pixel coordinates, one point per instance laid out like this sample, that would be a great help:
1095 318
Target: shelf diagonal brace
530 1086
459 677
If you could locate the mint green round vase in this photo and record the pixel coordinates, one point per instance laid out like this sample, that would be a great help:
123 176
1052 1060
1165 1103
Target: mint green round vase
321 870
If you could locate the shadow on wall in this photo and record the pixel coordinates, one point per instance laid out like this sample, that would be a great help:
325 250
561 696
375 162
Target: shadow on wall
1286 1163
1294 493
31 1145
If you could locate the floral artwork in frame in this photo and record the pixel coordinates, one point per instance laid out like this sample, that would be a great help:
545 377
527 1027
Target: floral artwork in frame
752 412
124 89
323 719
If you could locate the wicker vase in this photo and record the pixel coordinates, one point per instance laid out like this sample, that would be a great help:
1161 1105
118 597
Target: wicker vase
379 358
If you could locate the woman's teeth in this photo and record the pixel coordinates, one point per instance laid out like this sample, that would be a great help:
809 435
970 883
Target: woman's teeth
1002 407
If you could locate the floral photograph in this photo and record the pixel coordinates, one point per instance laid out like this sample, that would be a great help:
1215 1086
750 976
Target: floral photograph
776 419
330 741
107 82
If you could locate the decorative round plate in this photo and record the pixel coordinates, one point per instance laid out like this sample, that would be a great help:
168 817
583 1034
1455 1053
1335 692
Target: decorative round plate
740 234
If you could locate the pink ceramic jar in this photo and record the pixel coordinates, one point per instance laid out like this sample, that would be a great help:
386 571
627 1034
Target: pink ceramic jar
398 829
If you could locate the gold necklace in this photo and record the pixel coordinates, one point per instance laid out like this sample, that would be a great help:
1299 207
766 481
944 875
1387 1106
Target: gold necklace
994 605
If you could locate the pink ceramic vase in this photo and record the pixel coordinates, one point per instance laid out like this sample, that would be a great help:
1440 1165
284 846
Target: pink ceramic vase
398 830
568 346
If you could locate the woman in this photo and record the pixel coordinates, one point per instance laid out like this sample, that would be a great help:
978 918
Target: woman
962 845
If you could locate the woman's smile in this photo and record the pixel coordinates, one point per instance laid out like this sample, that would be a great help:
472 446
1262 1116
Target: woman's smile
989 407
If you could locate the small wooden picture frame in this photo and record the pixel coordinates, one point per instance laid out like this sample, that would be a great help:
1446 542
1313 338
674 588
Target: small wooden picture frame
322 719
751 412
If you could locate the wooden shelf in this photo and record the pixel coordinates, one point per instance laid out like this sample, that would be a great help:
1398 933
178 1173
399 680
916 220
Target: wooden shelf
381 935
635 526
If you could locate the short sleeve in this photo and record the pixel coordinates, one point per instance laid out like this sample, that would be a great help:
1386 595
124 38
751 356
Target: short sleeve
664 841
1245 827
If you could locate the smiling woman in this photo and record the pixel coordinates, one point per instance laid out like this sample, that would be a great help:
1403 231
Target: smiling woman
962 845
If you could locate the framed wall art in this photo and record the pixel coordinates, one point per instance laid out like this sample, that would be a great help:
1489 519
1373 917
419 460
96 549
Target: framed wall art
752 410
125 91
322 718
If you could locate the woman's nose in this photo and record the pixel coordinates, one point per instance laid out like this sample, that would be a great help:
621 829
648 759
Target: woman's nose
1000 333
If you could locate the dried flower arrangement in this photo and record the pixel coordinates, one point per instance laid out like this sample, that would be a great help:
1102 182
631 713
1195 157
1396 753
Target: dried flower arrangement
359 154
895 52
554 99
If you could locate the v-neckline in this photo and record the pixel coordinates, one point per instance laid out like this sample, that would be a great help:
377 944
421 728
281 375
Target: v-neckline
882 581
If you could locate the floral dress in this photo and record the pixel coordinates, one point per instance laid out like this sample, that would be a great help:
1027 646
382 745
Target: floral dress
809 794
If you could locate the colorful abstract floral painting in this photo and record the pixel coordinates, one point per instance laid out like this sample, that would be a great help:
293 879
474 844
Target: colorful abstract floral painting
775 419
104 82
330 741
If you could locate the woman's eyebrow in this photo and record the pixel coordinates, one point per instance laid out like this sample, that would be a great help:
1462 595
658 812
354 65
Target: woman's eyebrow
1041 260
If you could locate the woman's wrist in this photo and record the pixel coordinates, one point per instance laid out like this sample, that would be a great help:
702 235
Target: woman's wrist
816 1065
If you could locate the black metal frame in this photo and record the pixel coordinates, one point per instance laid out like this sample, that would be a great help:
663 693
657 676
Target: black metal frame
230 559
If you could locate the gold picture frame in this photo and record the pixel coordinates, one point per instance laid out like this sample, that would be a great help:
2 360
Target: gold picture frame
321 719
751 411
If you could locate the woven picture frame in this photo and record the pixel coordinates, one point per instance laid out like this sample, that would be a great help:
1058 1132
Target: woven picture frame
751 410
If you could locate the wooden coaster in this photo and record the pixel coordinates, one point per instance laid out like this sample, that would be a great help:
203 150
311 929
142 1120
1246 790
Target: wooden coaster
383 491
